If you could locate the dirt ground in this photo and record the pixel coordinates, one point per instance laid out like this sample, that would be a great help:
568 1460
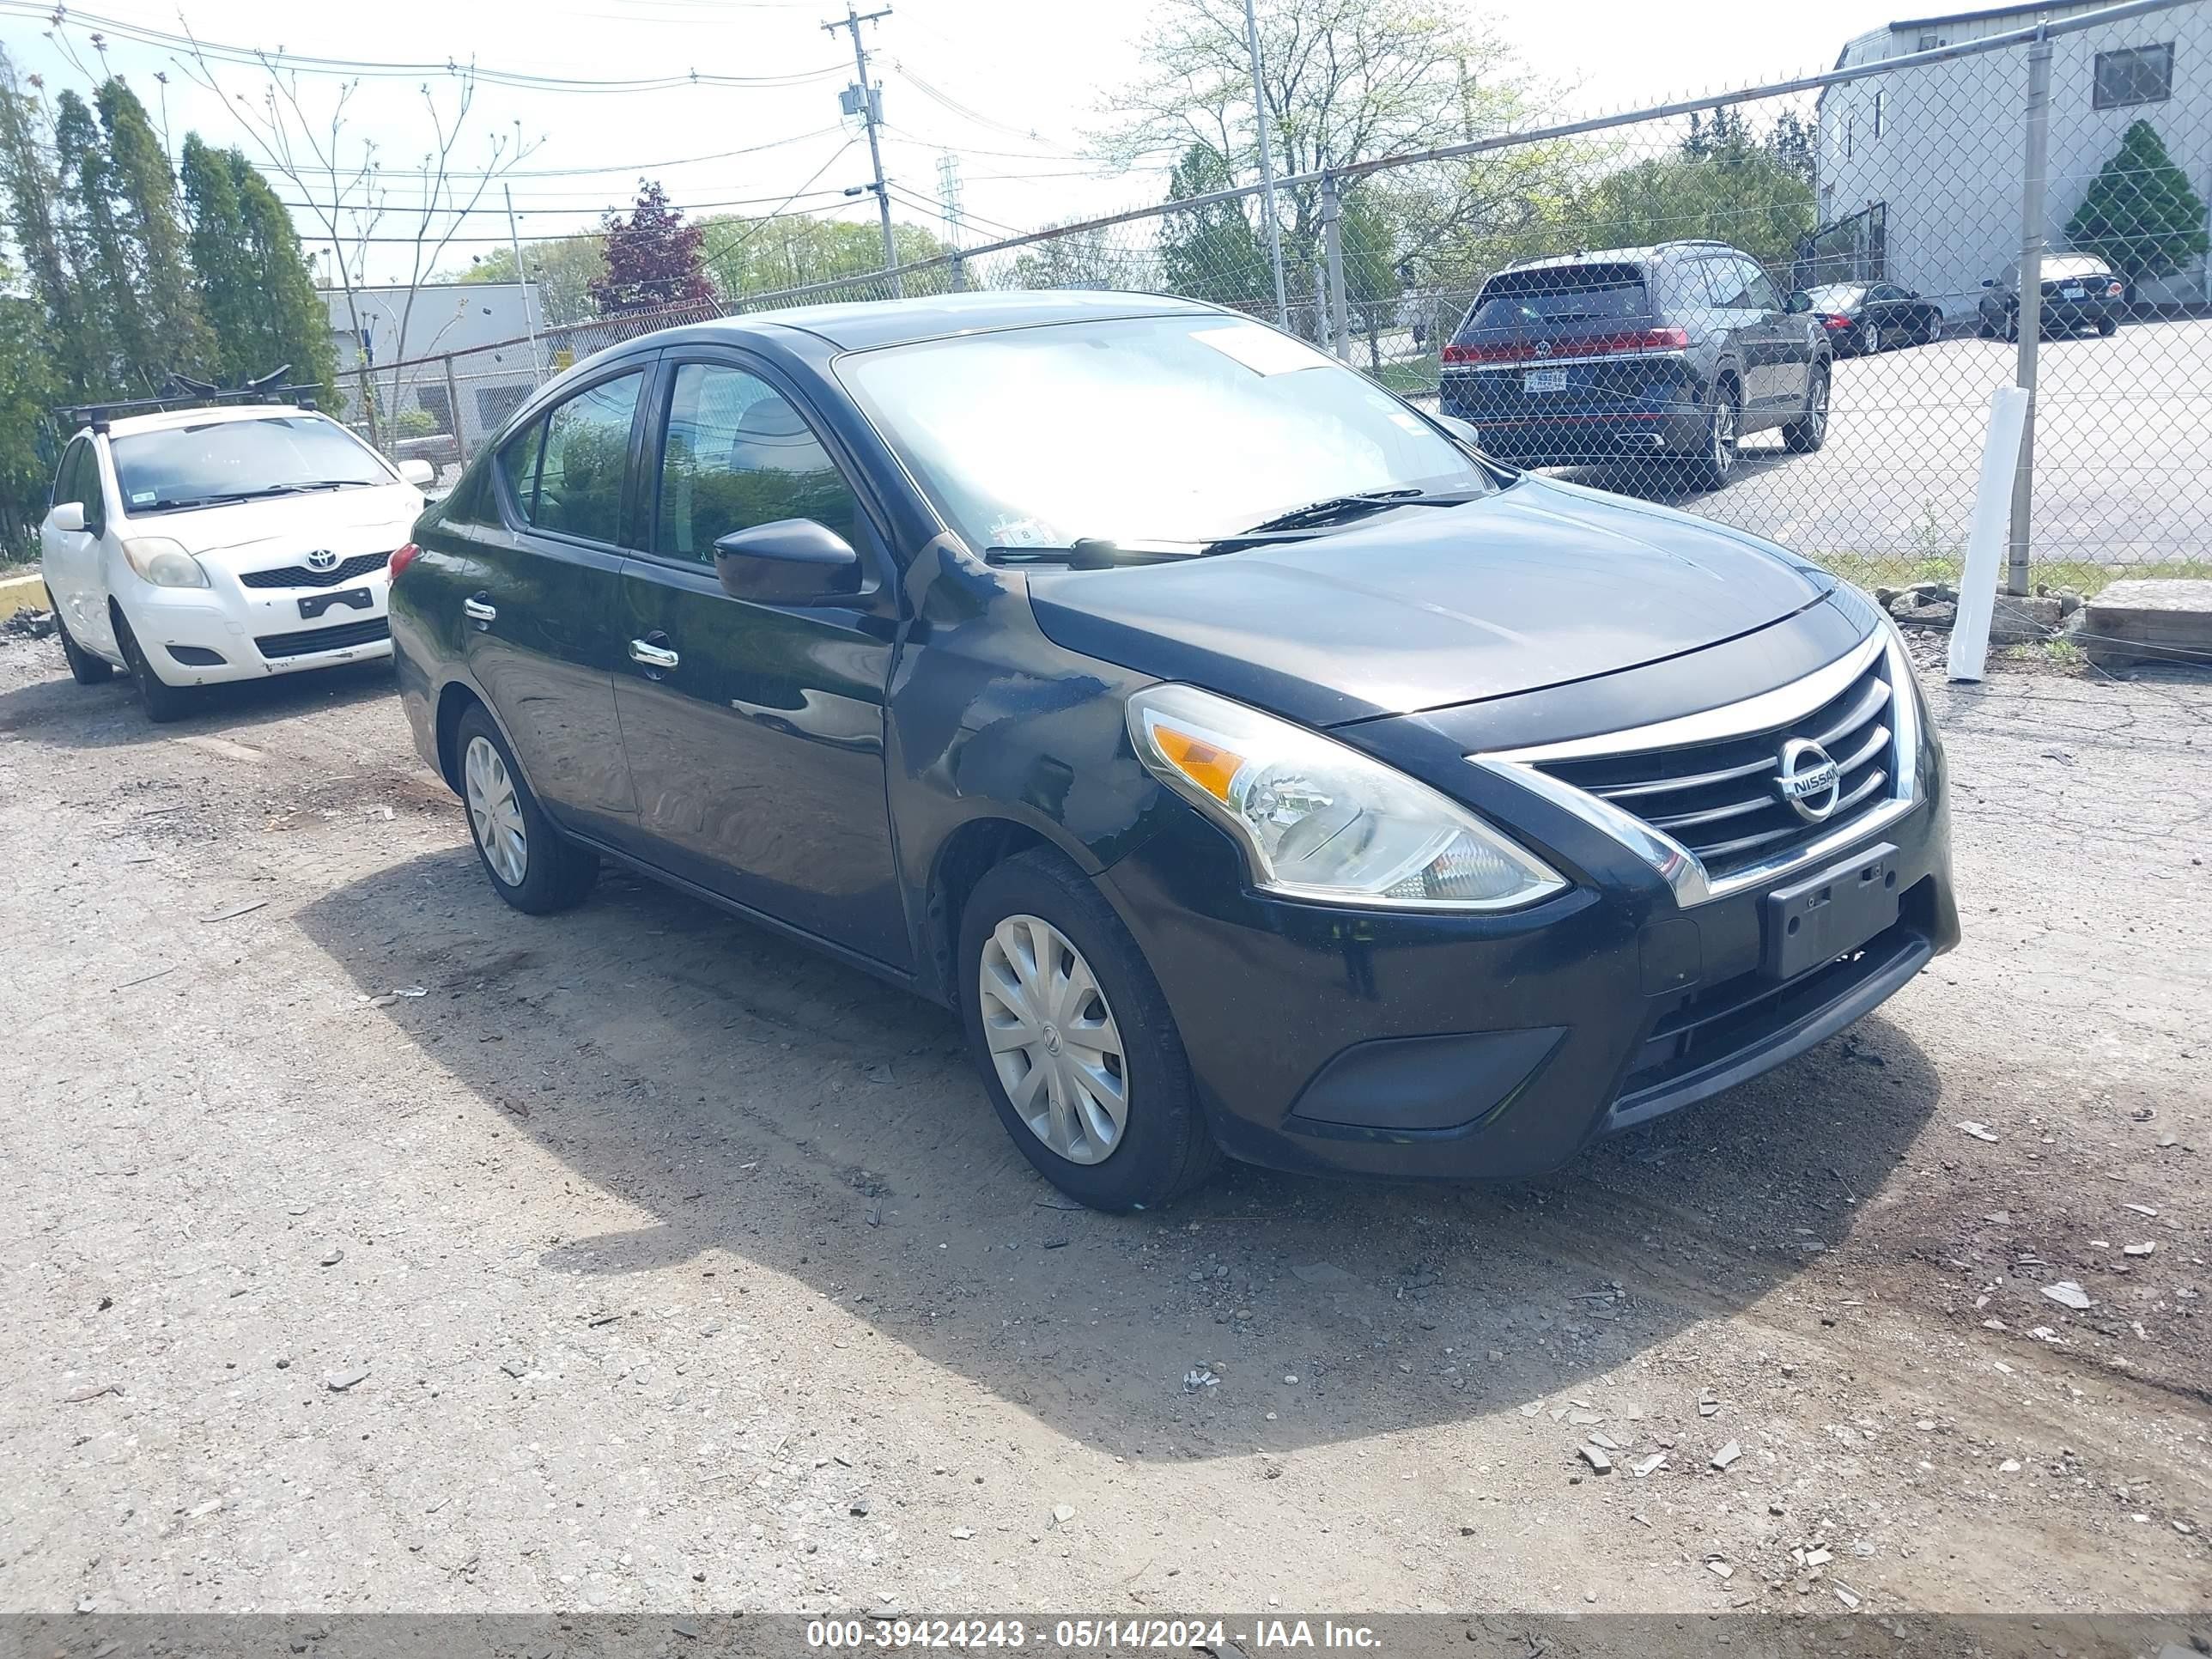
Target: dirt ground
370 1246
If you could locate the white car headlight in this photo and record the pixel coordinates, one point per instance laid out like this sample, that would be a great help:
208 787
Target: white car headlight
163 562
1318 820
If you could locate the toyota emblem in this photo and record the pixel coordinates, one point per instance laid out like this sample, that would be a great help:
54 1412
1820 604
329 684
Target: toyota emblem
1809 781
322 559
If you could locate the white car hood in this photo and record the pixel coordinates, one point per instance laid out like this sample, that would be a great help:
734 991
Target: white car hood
241 535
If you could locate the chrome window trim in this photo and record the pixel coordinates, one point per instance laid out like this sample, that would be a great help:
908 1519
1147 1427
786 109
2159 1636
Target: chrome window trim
1679 868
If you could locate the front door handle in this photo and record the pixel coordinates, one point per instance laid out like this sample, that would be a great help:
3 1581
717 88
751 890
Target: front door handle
651 654
478 609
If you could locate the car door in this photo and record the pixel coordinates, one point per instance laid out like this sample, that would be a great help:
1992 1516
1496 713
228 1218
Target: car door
755 731
71 560
1889 309
539 581
1779 349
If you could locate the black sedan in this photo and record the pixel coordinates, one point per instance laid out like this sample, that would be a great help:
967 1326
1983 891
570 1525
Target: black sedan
2078 291
1252 765
1863 318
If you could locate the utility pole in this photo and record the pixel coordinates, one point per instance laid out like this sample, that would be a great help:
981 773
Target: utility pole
948 196
1266 166
870 102
514 245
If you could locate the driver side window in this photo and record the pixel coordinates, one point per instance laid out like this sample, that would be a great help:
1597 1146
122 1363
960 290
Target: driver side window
78 480
738 454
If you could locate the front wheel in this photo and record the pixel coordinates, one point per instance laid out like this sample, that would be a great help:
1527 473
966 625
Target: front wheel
2108 326
531 865
84 668
164 702
1870 337
1810 430
1076 1048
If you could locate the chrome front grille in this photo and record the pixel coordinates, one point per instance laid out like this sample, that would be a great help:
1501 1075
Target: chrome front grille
1719 798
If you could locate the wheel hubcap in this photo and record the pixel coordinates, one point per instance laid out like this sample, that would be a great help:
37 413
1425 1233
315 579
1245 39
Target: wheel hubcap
494 812
1819 405
1053 1039
1724 433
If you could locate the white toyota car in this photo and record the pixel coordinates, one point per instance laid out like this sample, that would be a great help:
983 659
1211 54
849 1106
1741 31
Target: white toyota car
198 545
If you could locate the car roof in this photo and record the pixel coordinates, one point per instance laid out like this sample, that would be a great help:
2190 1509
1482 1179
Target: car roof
168 420
862 325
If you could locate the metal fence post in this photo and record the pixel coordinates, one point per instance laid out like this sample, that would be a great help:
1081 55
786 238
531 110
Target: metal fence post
959 275
2028 315
453 413
1331 228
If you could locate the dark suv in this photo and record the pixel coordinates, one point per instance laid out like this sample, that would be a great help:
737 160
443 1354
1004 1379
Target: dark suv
1672 352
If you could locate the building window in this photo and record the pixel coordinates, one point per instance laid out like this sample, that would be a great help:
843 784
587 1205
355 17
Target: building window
1850 123
2134 75
1930 43
1880 109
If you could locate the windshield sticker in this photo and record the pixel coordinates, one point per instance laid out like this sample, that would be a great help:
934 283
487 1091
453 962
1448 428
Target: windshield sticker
1262 349
1024 533
140 497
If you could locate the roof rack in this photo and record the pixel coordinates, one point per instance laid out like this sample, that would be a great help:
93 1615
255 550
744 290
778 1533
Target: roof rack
181 391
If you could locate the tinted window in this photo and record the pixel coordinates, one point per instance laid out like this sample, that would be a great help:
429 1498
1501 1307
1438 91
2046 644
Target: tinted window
1681 287
1885 291
67 479
518 463
1726 278
183 466
1559 294
1759 291
587 445
739 455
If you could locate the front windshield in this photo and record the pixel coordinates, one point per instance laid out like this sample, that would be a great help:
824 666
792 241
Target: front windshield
1184 428
230 460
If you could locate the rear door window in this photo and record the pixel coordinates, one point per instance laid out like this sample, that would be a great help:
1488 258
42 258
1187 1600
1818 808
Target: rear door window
1556 296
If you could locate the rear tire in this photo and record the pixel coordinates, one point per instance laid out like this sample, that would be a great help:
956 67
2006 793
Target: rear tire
1810 430
1724 425
1033 934
530 864
84 668
164 701
2108 326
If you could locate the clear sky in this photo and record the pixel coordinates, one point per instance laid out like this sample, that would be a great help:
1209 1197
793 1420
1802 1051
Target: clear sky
1011 88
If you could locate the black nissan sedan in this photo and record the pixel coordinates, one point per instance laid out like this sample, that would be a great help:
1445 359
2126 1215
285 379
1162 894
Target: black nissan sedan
1256 767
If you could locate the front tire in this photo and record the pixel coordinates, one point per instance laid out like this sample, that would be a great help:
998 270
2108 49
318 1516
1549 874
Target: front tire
1810 430
85 668
531 865
1073 1038
2108 326
164 702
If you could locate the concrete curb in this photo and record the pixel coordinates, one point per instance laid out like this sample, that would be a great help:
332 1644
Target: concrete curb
22 594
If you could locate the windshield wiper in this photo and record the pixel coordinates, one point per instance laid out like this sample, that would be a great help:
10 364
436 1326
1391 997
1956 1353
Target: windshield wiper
1084 553
1343 509
301 485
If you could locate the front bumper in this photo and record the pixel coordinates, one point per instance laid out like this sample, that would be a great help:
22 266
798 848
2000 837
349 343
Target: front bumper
1432 1046
226 631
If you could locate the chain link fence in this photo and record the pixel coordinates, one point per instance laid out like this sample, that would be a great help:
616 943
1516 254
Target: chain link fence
1786 309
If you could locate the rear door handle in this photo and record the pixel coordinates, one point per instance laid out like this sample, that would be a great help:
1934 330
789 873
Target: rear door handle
477 609
653 656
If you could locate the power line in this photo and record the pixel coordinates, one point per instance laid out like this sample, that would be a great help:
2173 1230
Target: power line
368 68
767 219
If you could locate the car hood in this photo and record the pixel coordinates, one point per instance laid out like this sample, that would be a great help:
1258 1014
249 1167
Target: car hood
347 521
1424 608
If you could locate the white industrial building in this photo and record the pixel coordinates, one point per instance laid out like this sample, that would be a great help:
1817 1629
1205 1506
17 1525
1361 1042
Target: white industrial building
487 325
1919 170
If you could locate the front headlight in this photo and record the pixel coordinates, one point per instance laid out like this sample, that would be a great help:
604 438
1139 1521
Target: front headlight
163 562
1320 821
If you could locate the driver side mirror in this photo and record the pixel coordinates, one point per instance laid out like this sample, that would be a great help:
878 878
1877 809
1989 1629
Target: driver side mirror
1989 282
1798 301
418 472
789 561
68 517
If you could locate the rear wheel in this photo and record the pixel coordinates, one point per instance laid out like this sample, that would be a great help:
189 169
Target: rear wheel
84 668
1076 1048
164 701
1810 430
2108 326
531 865
1723 430
1871 336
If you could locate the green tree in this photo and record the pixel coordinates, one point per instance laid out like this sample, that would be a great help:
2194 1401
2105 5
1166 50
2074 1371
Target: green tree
25 390
1211 252
746 256
36 211
563 267
254 283
2139 215
117 345
1743 196
1099 258
151 233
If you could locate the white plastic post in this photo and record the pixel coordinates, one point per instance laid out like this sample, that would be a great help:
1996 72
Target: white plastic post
1986 539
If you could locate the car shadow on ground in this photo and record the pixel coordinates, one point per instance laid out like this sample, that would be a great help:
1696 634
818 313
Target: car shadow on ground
761 1102
56 709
